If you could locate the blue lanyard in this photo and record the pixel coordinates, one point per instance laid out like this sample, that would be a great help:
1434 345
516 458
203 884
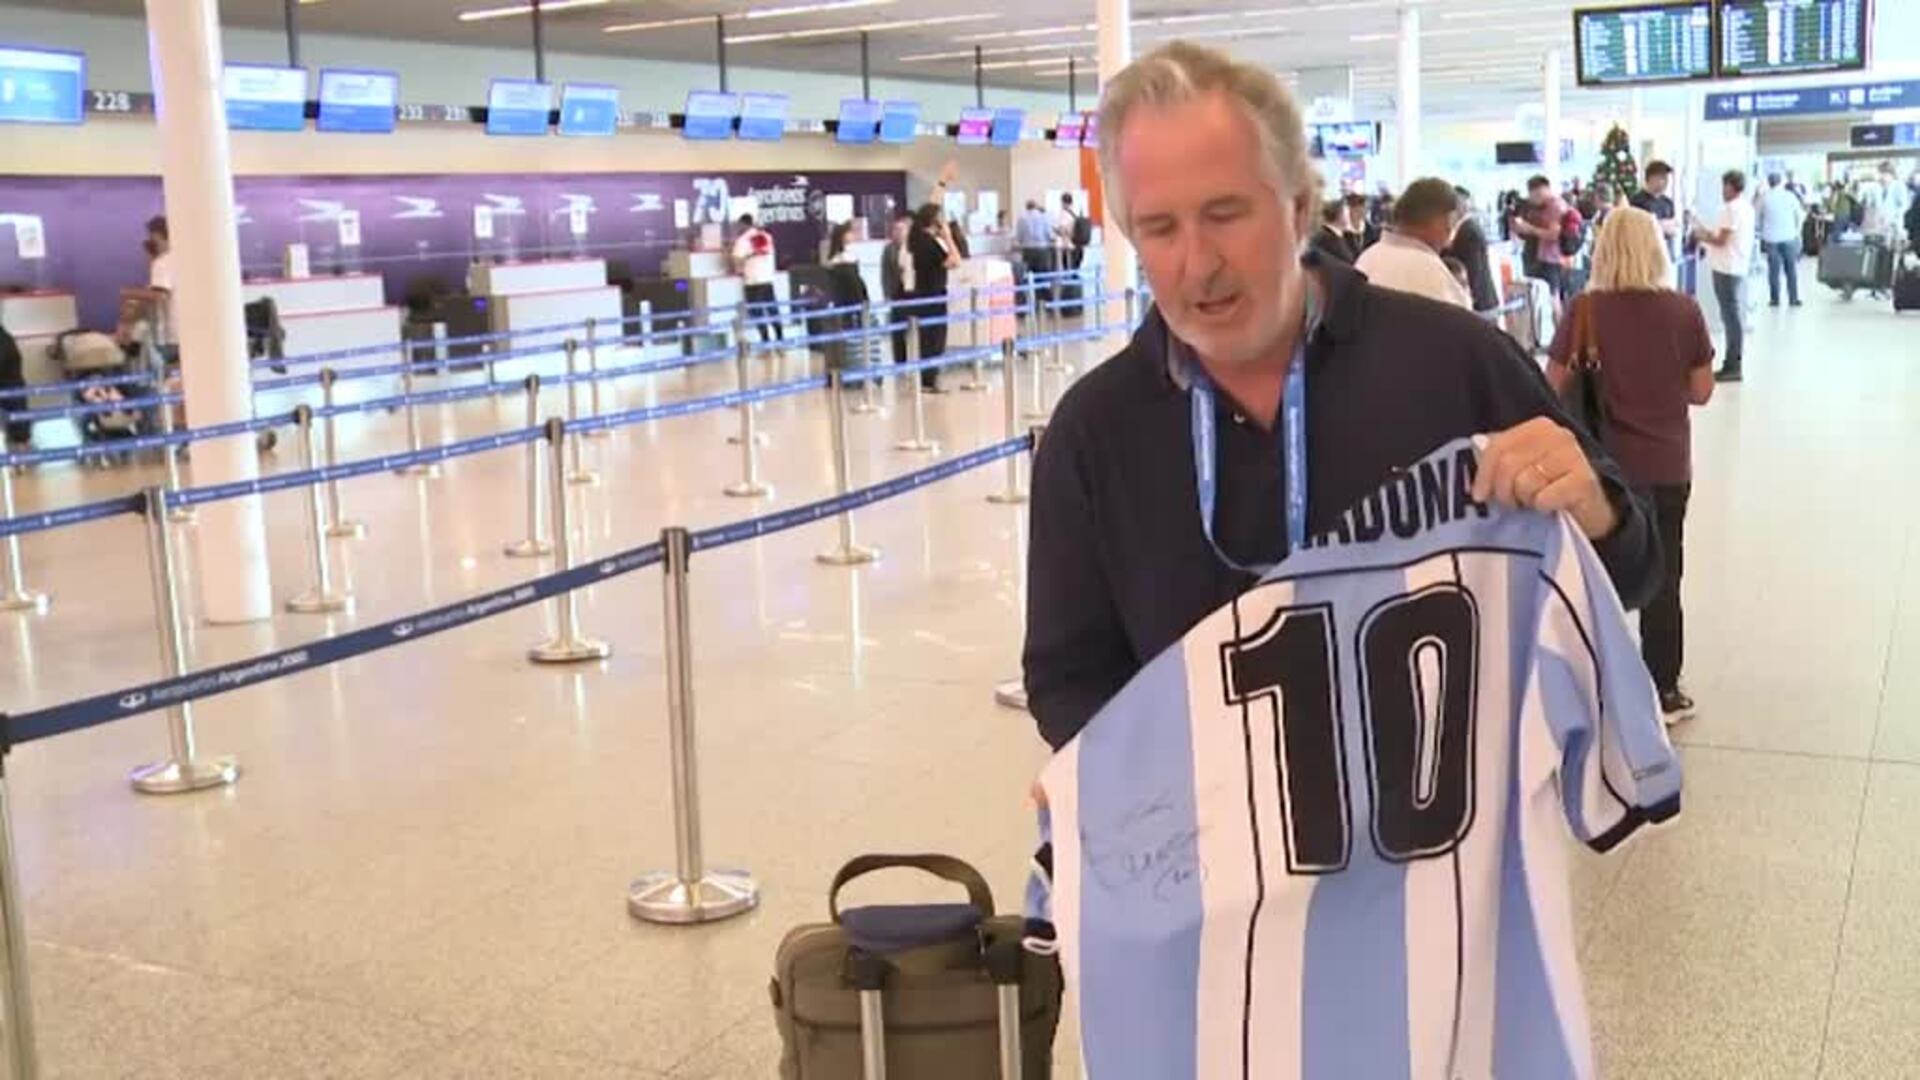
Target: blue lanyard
1293 423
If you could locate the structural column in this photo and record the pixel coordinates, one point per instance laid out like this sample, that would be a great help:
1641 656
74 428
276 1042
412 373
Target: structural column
1550 154
197 174
1115 37
1408 101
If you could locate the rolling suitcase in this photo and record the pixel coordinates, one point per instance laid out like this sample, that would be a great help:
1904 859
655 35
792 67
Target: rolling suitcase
1849 265
1906 282
915 991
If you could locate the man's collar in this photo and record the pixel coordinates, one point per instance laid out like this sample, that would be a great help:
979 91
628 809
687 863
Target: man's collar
1333 315
1402 240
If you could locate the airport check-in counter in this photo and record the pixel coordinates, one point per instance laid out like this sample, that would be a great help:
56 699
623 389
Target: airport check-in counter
548 292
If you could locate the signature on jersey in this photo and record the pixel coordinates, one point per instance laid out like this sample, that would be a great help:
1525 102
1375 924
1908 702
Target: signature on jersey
1151 847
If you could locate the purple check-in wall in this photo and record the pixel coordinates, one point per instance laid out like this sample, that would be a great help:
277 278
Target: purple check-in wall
414 229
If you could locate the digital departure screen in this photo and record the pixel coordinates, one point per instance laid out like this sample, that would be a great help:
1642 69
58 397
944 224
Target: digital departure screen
518 107
261 98
1771 37
1007 126
1651 43
358 101
859 121
976 125
589 109
710 115
763 117
1354 139
1069 130
899 122
41 86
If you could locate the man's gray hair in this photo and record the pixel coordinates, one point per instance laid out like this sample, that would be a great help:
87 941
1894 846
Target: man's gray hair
1182 71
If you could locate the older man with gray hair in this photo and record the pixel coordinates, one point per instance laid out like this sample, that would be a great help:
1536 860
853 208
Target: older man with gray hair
1207 173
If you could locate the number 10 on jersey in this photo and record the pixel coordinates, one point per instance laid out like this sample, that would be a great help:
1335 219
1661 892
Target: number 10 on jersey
1416 657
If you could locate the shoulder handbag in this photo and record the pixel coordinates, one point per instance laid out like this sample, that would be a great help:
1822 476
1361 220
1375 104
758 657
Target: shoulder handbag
1584 395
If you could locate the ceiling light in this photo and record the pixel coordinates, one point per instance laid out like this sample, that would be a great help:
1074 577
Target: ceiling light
1038 31
808 9
832 31
1003 50
660 24
1044 61
1363 39
546 7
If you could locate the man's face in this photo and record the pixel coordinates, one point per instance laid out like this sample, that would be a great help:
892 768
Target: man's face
1729 192
1657 184
1218 242
902 226
1541 195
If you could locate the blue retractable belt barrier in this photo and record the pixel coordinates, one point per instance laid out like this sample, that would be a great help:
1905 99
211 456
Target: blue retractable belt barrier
856 376
71 515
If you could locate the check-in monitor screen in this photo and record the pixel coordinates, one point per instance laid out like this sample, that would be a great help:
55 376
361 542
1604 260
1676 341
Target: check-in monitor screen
518 107
358 101
261 98
41 86
589 109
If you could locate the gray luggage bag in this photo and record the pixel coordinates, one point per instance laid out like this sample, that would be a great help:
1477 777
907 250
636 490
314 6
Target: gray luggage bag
915 991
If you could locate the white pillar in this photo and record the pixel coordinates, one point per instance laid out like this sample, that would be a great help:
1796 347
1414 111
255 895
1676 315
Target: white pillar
1551 154
1636 118
198 179
1408 114
1116 52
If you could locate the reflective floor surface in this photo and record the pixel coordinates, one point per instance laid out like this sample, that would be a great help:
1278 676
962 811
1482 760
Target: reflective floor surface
423 870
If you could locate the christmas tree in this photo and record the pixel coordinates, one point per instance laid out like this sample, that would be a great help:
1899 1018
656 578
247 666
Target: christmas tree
1617 168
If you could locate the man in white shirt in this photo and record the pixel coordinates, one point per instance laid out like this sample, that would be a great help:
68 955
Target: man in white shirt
1729 245
1407 258
1781 216
753 261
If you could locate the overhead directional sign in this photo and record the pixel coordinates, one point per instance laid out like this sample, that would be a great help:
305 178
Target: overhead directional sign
1814 100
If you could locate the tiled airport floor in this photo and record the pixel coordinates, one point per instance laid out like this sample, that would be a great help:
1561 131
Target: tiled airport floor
423 871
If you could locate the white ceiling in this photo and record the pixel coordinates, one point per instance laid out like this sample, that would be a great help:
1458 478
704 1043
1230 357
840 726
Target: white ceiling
1480 56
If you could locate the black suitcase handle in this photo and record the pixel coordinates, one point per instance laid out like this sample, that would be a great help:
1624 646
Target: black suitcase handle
945 867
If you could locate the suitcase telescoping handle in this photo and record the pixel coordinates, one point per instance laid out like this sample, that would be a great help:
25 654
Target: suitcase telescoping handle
941 866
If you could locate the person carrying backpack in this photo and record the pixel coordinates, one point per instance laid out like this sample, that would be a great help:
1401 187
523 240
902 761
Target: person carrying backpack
1079 232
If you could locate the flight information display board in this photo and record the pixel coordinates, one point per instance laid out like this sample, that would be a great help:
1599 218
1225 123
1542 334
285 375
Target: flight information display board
975 126
1007 126
261 98
859 121
518 107
589 109
710 115
1649 43
899 121
1069 130
1770 37
763 117
357 101
41 86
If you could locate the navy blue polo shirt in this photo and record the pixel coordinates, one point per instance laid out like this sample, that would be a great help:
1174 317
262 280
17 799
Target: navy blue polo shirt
1118 568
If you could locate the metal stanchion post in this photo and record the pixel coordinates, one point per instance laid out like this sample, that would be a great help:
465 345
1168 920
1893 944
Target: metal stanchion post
745 380
593 372
690 893
14 594
535 544
320 598
1037 395
183 770
1133 310
1014 494
568 645
918 443
982 331
848 552
16 1012
1054 321
577 473
749 486
337 523
868 403
171 455
429 469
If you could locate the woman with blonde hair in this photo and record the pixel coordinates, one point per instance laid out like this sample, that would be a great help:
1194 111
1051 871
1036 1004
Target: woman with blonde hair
1648 354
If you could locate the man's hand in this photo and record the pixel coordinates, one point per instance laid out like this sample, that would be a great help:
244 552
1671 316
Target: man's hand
1539 465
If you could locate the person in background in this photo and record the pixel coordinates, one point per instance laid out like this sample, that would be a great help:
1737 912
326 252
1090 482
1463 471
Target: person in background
1358 236
1782 216
931 243
896 275
846 288
753 260
1469 249
1729 244
1034 237
1076 235
1407 258
1898 199
1332 239
1653 198
1538 224
1656 360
